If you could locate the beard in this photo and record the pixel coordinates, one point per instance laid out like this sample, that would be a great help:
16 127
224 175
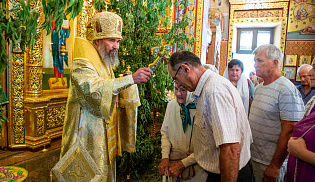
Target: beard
109 57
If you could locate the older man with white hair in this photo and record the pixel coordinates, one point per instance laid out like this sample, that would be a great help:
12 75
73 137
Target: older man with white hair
277 106
307 92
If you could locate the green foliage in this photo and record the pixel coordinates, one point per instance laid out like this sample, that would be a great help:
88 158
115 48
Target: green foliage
141 22
19 25
2 116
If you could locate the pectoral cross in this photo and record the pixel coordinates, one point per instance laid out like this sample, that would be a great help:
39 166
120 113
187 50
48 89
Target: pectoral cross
77 173
128 71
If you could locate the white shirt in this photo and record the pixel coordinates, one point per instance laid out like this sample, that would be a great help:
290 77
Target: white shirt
220 118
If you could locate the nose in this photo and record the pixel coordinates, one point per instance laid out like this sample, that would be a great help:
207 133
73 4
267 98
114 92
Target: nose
255 65
116 45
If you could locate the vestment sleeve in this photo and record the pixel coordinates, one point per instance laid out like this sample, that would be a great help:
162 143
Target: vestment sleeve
94 93
122 84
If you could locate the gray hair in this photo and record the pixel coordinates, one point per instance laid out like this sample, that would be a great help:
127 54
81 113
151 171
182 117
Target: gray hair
272 52
306 66
105 54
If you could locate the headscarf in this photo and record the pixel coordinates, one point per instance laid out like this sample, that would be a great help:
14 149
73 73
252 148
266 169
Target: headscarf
185 114
242 87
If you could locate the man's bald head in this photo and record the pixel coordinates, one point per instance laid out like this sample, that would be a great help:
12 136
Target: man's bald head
306 67
303 74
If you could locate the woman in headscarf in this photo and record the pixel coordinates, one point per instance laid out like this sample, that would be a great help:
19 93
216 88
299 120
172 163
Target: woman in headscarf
178 161
245 87
301 146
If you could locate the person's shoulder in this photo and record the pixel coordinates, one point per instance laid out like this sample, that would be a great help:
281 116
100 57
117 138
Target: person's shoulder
287 88
299 87
216 81
285 83
172 102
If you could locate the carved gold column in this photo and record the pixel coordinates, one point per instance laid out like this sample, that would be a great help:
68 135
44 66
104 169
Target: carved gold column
16 84
34 64
84 17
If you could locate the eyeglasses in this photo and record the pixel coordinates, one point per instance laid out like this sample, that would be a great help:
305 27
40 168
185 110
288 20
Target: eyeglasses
176 74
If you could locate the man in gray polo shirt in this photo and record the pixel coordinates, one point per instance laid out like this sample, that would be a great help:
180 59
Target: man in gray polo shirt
276 108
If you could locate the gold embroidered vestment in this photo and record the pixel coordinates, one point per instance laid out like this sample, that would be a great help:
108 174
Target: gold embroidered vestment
107 119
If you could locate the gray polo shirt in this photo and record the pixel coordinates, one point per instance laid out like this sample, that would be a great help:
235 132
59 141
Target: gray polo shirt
272 103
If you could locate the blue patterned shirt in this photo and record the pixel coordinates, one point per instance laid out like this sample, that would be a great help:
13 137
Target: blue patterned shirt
306 97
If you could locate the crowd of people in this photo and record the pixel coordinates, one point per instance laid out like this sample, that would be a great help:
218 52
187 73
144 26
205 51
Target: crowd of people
241 128
217 129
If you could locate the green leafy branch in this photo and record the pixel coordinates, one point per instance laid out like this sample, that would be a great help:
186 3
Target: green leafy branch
19 25
141 23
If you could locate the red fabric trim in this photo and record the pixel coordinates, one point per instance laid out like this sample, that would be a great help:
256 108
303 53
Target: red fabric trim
57 74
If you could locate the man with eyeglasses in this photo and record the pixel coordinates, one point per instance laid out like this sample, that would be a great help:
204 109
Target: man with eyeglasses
222 135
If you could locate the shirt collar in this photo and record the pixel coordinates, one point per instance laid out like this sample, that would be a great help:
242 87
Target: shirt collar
201 83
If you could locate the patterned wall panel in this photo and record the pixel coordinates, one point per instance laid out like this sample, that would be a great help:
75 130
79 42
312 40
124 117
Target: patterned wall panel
258 13
252 1
300 48
279 9
270 13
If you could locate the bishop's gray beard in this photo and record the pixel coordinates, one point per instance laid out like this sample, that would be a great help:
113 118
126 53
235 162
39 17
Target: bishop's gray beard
108 57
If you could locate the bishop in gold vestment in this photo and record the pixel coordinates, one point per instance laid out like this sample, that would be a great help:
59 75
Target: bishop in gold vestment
102 109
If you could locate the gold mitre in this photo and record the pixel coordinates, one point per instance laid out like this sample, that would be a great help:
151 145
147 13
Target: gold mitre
106 25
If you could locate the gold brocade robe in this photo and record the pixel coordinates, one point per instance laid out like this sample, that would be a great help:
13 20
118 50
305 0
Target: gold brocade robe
92 108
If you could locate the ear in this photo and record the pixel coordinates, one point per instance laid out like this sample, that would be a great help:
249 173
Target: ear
185 67
97 42
275 62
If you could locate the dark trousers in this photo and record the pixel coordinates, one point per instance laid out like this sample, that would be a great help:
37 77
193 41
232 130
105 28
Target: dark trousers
244 175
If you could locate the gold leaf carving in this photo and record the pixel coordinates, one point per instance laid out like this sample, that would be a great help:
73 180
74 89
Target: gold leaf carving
40 120
55 116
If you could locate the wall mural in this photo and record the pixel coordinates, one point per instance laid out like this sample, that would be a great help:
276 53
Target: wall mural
301 23
57 56
195 12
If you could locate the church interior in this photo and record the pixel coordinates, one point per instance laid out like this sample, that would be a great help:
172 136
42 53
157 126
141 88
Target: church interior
35 90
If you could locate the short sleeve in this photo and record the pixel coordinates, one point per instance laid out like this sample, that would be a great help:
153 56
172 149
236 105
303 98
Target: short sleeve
291 105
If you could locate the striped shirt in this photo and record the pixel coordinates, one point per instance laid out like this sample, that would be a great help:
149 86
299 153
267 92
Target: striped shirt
272 103
220 118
